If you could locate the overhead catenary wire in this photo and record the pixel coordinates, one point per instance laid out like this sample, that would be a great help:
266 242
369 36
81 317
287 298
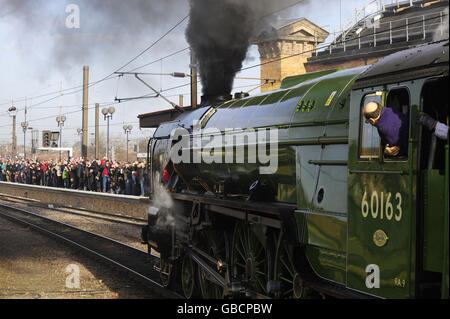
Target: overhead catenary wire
92 106
160 59
113 73
120 68
188 48
152 45
48 100
327 45
132 60
172 54
17 100
260 64
282 9
307 51
296 54
32 96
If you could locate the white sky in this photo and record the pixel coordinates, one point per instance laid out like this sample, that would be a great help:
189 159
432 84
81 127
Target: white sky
29 68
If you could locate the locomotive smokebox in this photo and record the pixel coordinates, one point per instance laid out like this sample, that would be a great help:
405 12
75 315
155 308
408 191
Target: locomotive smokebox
215 100
158 232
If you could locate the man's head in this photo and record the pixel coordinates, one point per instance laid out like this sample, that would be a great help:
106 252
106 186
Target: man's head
372 112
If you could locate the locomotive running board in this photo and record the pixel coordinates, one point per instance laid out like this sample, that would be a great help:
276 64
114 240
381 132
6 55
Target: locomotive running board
263 207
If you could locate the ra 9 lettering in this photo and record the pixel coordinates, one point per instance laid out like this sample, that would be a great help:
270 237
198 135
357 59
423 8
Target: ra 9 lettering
380 205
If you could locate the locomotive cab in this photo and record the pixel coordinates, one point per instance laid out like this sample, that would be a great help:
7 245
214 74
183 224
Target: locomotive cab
398 206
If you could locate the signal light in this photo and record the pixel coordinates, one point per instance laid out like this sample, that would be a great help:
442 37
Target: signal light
46 138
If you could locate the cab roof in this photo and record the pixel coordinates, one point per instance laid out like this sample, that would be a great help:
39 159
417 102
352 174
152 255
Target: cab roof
418 62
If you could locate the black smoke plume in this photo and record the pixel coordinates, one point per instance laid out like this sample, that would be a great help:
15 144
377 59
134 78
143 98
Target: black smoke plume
220 33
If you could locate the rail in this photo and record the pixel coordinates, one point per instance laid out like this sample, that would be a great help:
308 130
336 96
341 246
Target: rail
130 259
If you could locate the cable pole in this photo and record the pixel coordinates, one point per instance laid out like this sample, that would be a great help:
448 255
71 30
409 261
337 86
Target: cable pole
13 112
97 114
193 66
84 147
14 147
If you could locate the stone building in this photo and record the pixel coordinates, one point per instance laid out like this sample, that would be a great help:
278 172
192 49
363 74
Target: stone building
393 27
376 30
285 48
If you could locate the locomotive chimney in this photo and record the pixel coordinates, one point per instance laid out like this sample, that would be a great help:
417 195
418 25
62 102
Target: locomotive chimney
215 100
240 95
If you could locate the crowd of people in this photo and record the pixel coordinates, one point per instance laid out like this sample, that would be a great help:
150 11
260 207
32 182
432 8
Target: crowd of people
98 175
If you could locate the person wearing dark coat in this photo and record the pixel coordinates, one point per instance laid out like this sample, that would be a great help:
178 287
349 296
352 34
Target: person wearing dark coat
392 127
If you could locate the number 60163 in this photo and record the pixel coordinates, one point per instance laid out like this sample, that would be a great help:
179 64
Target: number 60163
382 205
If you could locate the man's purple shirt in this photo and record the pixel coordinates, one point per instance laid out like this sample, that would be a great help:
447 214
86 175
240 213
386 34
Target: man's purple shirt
393 129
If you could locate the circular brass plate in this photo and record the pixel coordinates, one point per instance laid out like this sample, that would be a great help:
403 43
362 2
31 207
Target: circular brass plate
380 238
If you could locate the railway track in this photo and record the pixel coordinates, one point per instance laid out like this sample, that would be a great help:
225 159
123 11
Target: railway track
130 259
75 211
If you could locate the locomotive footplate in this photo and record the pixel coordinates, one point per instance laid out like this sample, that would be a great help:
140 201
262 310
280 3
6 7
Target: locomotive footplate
276 215
273 209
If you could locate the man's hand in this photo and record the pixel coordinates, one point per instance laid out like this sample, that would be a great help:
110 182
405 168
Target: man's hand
391 150
426 120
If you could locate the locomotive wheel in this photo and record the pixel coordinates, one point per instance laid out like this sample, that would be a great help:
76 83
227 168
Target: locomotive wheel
214 245
291 283
249 259
188 282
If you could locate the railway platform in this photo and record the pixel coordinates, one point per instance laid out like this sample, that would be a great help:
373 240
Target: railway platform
120 205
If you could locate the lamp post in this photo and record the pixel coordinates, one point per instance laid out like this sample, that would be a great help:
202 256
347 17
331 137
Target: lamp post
80 133
12 111
108 113
127 129
24 127
60 120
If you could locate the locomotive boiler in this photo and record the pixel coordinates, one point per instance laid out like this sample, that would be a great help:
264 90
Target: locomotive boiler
288 194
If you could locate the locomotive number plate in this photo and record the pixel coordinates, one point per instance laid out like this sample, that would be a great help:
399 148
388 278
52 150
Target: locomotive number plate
379 205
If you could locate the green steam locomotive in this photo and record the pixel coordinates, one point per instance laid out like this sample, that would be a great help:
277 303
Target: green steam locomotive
289 194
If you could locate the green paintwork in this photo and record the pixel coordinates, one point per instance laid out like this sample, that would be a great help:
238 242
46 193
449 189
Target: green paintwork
345 204
379 185
278 109
433 215
308 140
397 259
291 81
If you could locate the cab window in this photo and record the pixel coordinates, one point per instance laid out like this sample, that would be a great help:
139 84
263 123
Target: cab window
370 146
398 100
